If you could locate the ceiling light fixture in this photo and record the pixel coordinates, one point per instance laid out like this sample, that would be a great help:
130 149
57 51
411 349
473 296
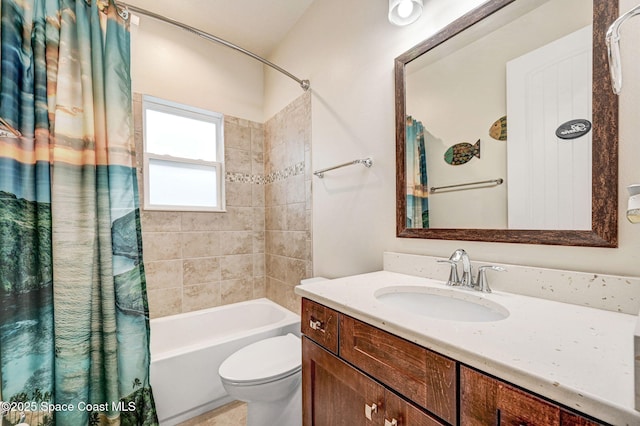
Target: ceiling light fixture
404 12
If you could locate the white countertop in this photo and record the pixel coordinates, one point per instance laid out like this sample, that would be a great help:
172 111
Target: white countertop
581 357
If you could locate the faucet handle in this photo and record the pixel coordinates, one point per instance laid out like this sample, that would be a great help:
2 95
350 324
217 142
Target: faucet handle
483 282
453 274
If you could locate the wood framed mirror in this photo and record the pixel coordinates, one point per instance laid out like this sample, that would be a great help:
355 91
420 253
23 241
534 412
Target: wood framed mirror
443 150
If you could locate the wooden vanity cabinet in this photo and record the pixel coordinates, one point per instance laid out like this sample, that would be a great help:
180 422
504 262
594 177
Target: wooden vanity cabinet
336 394
352 371
422 376
485 401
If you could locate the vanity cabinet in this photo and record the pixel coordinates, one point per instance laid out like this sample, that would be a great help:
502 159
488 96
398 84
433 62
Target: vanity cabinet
356 374
336 394
422 376
488 401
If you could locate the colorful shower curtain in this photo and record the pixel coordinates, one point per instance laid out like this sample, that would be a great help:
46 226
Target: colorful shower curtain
74 328
416 176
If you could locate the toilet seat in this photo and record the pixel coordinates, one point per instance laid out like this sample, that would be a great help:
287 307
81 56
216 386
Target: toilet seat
263 362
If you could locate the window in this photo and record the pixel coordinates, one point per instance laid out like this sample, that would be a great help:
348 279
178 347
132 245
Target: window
183 157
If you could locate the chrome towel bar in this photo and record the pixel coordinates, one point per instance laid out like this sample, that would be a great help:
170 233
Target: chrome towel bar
367 162
491 182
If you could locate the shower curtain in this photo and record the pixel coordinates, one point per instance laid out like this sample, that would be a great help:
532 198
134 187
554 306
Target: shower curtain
74 328
416 176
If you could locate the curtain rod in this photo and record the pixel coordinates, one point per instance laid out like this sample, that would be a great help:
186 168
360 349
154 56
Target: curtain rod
304 84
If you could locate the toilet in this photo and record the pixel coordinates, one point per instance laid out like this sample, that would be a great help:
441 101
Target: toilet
267 375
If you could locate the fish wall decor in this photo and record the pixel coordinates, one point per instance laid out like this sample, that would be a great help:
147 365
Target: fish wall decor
498 129
461 153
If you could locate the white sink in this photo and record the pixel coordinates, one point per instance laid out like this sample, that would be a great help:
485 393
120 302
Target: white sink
444 304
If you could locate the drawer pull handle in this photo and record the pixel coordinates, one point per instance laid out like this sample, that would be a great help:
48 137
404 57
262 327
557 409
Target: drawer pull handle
369 410
316 325
393 422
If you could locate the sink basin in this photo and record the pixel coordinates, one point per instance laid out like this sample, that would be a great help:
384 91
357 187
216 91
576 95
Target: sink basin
444 304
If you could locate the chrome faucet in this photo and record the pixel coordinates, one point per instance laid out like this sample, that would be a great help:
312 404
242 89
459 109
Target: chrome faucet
454 278
467 277
461 256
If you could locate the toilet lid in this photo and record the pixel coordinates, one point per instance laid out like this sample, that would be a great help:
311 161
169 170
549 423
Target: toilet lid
264 361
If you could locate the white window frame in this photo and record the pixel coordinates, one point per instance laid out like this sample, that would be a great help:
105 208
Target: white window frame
174 108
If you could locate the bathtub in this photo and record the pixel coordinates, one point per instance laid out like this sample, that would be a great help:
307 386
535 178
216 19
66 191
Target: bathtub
187 350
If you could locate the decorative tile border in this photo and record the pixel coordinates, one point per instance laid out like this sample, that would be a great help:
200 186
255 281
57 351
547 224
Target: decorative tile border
259 179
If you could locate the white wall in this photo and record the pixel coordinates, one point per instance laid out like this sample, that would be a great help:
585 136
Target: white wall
173 64
347 49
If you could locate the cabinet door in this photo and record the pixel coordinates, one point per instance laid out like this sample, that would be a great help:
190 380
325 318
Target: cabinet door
485 401
422 376
405 414
336 394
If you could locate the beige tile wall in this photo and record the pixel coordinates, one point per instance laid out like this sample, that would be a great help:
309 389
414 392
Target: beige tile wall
260 247
200 260
288 201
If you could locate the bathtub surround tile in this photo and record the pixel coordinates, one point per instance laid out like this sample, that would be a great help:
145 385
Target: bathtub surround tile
297 217
257 196
259 219
296 189
296 244
200 244
196 221
259 268
237 160
237 136
201 270
163 274
184 251
295 270
201 296
257 163
259 287
257 141
161 246
236 267
276 267
239 194
288 175
236 242
258 242
261 245
155 221
165 301
276 193
237 219
283 294
276 219
234 291
275 243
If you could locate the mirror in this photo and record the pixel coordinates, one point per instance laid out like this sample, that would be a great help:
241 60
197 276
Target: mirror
506 127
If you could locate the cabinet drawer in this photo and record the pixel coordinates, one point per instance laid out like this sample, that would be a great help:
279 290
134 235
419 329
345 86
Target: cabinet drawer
487 401
320 324
422 376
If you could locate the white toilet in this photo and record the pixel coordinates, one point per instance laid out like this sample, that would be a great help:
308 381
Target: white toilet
267 375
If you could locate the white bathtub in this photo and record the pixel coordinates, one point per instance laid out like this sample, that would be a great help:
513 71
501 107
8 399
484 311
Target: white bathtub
187 350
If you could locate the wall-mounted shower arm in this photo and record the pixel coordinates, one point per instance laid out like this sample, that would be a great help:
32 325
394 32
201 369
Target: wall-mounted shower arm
303 83
613 49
